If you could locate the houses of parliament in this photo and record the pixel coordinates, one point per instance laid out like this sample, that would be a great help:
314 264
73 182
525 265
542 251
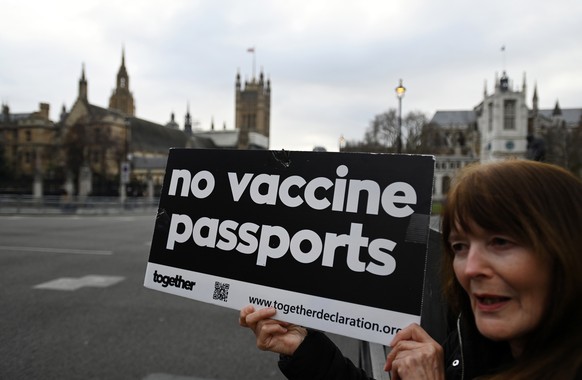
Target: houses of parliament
86 151
90 150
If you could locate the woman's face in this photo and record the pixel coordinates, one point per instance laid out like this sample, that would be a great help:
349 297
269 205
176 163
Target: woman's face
508 284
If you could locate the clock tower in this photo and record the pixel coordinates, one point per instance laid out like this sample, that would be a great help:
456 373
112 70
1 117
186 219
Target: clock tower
122 99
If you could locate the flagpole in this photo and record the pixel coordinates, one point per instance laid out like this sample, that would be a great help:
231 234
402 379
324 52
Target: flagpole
252 50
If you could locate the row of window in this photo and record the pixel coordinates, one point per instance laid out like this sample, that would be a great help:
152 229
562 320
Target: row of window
27 135
27 157
509 114
447 165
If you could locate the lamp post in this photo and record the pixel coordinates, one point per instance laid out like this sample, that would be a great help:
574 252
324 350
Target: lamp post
400 90
124 170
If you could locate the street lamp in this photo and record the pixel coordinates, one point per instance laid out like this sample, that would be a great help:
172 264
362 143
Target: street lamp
125 168
400 90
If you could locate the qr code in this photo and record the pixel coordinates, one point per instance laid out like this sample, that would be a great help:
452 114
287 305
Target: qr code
221 291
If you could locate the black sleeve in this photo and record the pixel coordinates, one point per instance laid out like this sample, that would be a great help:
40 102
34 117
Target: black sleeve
319 358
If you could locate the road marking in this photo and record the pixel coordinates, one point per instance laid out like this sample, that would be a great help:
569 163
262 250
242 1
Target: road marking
56 250
70 284
165 376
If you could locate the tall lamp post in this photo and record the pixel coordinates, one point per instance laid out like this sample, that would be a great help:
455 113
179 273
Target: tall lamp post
400 90
124 170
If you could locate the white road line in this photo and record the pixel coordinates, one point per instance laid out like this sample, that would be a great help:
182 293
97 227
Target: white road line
67 283
56 250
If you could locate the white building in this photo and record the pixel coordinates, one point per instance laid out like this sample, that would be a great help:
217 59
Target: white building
499 127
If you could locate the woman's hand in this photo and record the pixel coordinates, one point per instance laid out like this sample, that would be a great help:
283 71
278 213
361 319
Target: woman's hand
276 336
415 355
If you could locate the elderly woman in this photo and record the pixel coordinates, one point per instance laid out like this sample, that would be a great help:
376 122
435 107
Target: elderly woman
512 272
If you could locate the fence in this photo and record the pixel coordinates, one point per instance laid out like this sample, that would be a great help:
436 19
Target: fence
54 205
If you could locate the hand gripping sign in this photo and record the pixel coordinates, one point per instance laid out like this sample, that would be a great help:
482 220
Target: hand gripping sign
333 241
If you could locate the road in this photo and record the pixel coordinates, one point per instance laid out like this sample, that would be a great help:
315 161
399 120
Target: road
73 306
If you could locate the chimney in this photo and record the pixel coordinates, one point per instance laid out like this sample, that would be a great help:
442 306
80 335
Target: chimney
44 110
6 113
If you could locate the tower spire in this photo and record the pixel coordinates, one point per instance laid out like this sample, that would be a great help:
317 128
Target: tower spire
83 85
122 98
188 120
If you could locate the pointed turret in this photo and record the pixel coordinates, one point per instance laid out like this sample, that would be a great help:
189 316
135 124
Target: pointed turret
504 82
188 121
535 99
121 98
557 110
172 123
122 77
63 115
83 85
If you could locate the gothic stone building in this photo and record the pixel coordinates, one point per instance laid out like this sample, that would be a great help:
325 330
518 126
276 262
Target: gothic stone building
90 147
252 118
499 127
99 142
29 145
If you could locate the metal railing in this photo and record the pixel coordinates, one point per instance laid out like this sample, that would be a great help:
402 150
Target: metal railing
54 204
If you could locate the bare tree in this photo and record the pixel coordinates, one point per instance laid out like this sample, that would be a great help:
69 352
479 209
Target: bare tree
383 131
563 147
94 146
413 127
382 134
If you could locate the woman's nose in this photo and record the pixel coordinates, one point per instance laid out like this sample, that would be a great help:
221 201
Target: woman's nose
476 263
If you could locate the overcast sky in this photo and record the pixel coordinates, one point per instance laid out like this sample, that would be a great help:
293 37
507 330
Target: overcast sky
333 64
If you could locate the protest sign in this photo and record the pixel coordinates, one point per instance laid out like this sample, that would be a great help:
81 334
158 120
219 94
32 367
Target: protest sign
333 241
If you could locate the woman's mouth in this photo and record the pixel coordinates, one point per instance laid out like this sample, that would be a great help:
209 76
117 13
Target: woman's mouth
491 302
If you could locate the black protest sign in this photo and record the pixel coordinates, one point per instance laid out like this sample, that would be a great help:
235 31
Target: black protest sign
335 241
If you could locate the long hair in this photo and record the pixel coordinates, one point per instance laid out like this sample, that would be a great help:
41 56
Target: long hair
539 205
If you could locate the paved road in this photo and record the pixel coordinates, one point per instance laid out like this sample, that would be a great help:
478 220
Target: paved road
73 306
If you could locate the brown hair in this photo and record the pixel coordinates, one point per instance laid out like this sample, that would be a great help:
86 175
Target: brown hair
539 205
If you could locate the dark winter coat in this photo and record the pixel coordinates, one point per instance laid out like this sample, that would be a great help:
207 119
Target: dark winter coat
467 355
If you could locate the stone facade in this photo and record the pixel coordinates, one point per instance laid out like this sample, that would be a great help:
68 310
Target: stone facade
253 109
502 120
87 150
30 142
102 141
122 99
499 127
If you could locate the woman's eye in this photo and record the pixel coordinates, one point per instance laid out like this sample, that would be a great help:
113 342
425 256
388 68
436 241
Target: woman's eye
501 242
458 247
